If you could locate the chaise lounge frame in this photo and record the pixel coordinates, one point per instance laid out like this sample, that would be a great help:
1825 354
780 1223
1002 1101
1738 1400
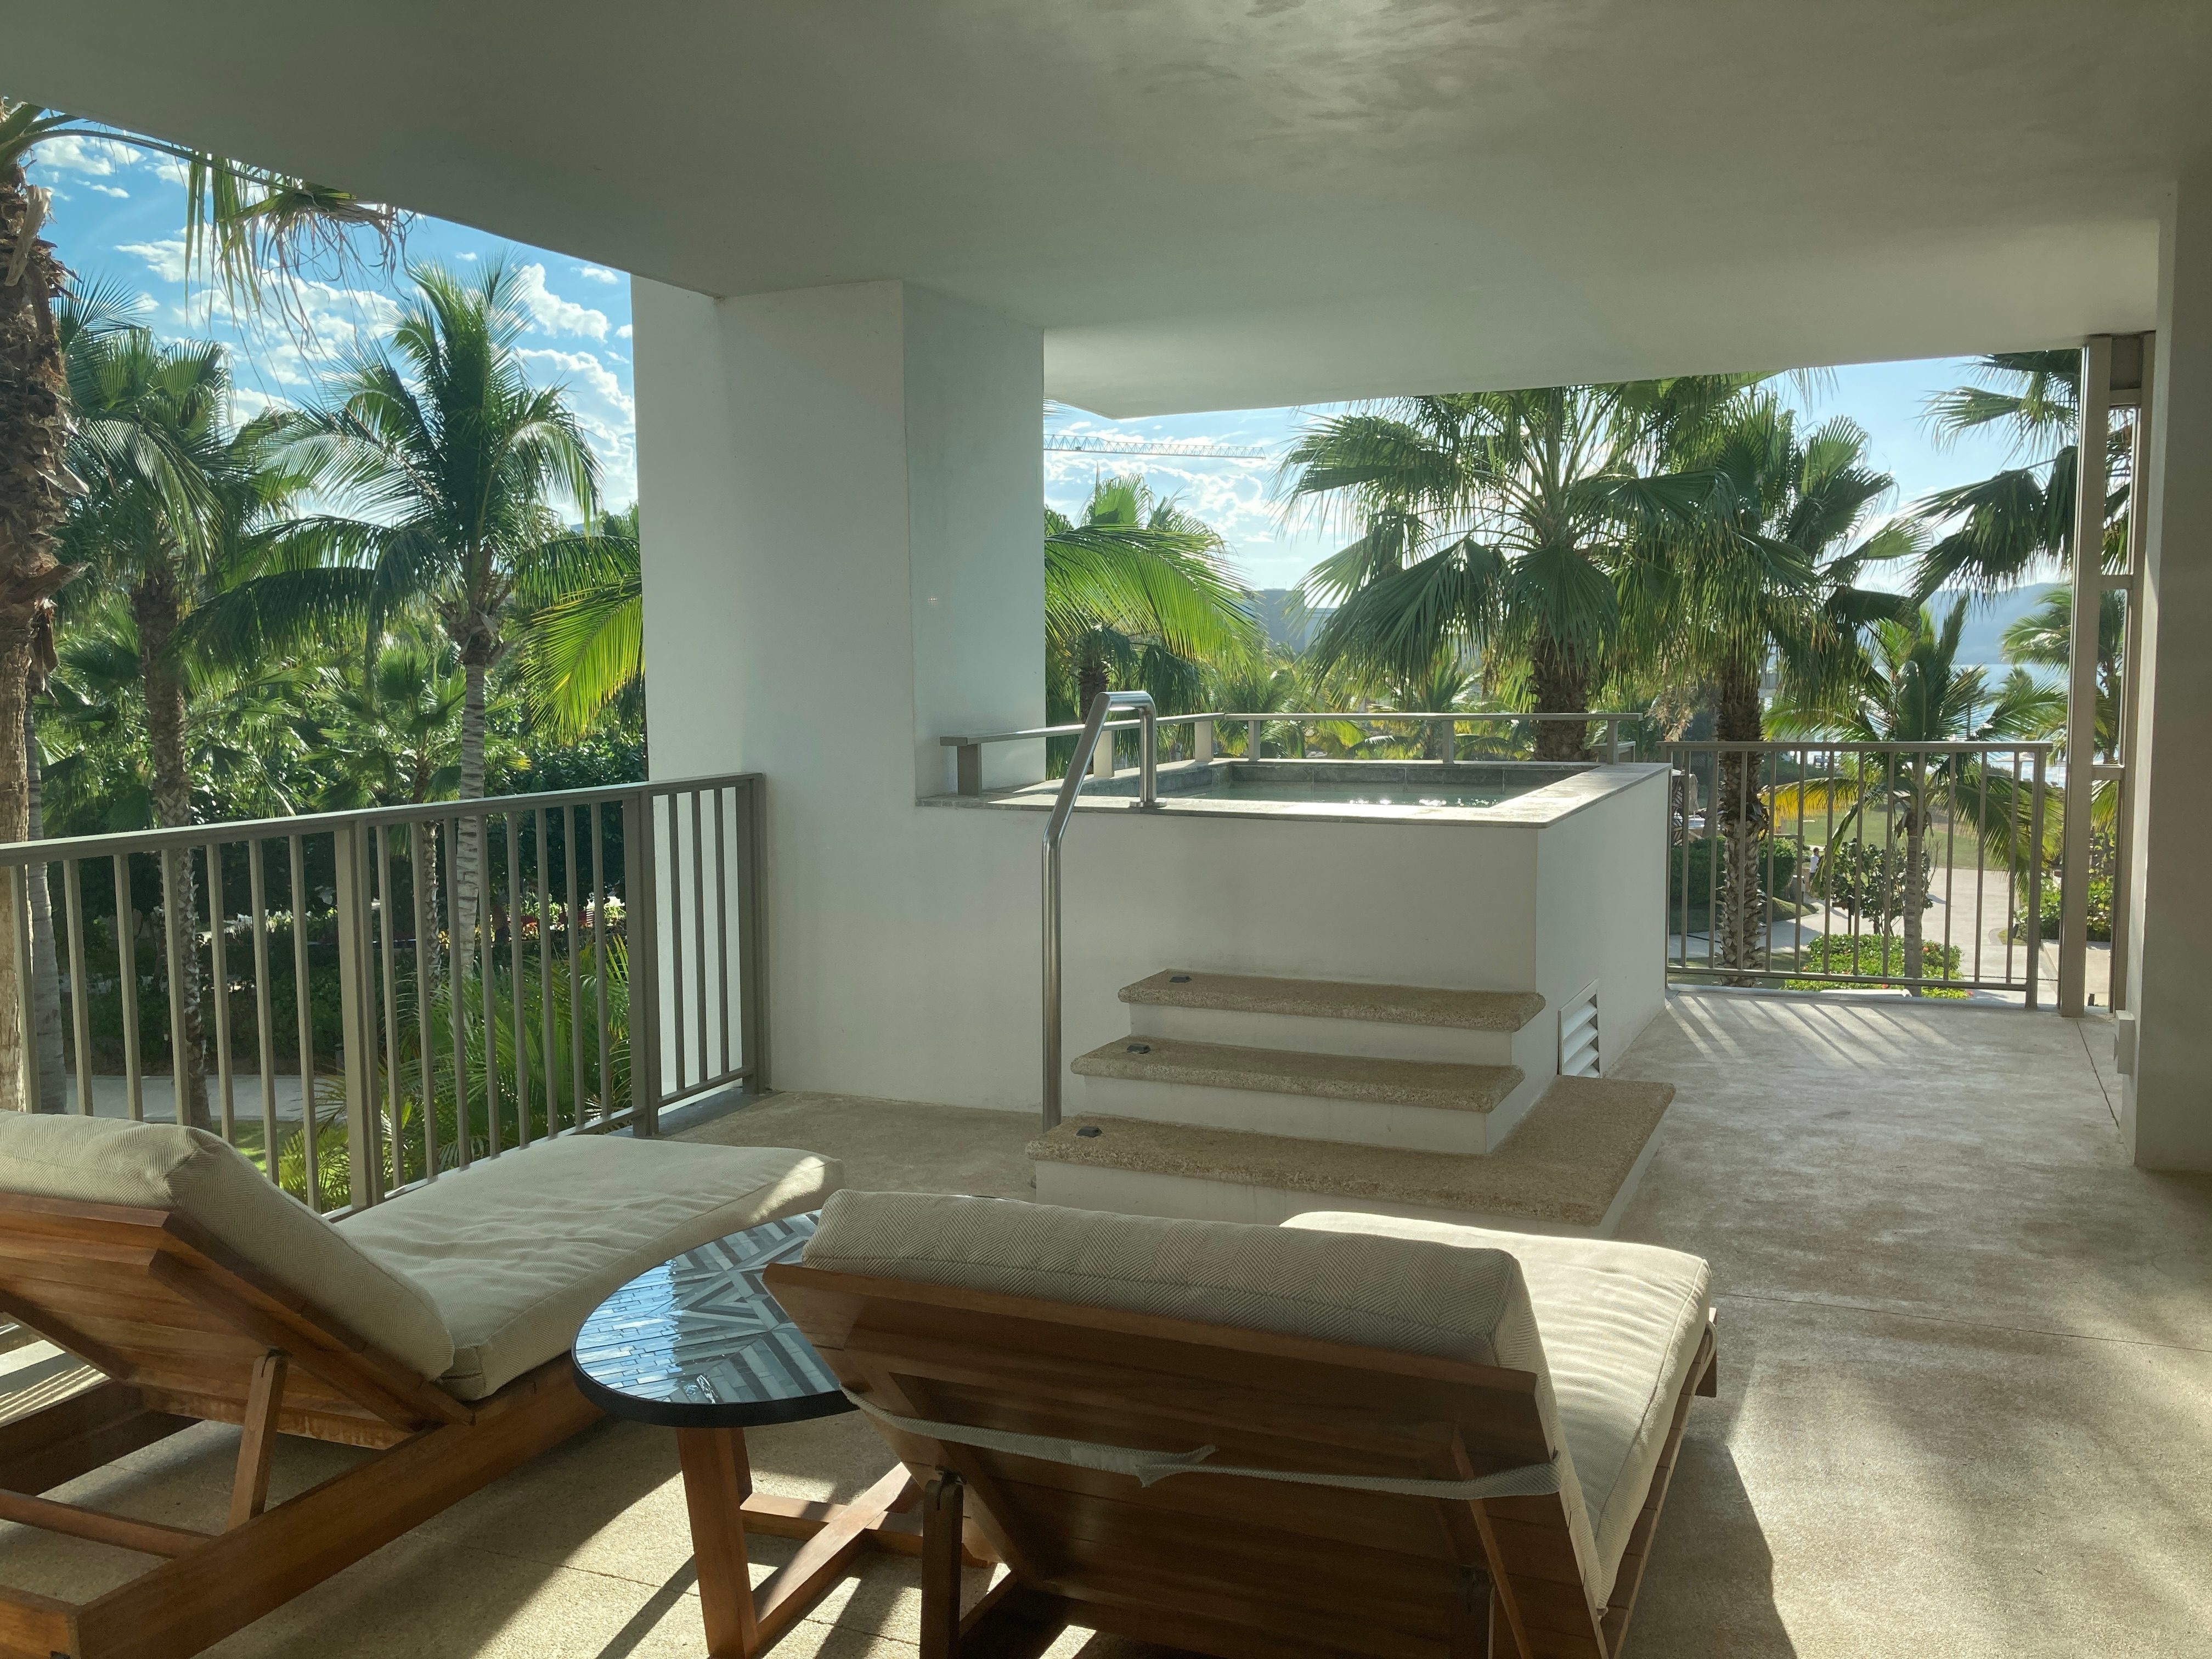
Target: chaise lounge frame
186 1331
1228 1566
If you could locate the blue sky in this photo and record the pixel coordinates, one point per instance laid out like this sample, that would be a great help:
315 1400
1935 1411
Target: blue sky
117 216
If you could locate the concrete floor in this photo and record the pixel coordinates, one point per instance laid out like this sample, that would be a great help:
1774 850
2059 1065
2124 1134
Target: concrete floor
1965 1395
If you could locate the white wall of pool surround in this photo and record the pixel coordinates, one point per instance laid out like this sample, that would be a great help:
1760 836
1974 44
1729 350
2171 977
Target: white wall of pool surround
842 486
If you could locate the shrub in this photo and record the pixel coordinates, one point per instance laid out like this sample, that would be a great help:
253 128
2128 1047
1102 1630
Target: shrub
1690 868
1867 879
1875 956
2101 860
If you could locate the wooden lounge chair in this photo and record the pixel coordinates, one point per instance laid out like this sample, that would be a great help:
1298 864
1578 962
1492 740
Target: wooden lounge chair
433 1328
1347 1436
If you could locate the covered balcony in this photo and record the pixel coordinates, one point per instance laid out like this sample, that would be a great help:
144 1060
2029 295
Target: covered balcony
1959 1248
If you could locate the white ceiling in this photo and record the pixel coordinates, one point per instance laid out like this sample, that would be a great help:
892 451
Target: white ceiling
1208 205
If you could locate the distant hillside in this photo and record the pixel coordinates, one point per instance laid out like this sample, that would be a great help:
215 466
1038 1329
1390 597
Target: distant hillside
1987 619
1288 624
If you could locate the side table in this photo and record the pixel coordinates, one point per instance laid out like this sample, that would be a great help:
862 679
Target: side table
699 1345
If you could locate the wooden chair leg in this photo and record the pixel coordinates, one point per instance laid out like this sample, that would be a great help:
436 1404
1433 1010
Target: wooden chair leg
941 1515
249 1486
1472 1616
717 1476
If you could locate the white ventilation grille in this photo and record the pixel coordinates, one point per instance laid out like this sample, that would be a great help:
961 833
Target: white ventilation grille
1578 1036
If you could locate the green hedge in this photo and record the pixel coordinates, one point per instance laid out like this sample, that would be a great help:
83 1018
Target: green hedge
1690 869
1877 954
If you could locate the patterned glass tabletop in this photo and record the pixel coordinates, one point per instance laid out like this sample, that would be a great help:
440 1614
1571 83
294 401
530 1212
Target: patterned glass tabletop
698 1343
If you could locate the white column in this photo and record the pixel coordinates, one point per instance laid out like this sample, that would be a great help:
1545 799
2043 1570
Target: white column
2167 1113
842 497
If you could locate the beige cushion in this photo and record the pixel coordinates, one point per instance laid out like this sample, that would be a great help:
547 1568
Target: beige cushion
516 1250
1406 1296
160 1166
1620 1325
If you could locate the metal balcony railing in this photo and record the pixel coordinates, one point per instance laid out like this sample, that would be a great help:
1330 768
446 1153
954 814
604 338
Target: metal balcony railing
1288 732
360 1002
1818 865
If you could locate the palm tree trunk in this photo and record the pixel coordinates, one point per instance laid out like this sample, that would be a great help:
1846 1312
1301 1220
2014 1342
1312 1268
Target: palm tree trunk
154 604
1561 678
45 970
1090 680
468 856
34 486
1915 891
1740 905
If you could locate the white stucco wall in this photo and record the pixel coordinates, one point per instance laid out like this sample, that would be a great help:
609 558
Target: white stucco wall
841 497
1601 914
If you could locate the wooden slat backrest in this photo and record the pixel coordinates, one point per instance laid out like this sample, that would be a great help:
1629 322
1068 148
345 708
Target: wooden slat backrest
154 1302
1301 1567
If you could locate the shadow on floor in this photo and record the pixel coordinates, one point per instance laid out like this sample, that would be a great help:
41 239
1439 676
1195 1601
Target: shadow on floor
1708 1593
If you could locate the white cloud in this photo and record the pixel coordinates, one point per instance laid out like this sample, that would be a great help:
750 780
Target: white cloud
97 156
598 274
164 258
623 333
246 402
116 190
604 409
588 373
555 314
470 257
169 170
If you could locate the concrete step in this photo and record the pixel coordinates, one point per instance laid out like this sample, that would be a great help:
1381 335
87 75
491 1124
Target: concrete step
1338 1017
1570 1168
1439 1106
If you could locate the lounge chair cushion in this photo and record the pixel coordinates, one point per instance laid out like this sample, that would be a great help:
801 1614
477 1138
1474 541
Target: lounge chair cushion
160 1166
514 1251
1620 1325
1408 1297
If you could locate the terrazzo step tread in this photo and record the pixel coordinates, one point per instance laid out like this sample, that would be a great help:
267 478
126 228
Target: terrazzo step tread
1336 999
1441 1084
1563 1164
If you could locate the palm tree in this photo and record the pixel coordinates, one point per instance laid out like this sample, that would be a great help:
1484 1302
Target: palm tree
450 459
584 640
1910 689
1491 522
176 504
242 223
1767 574
2044 638
2002 527
390 737
1141 591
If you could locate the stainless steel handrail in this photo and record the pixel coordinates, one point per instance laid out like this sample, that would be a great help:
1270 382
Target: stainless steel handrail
1055 829
967 746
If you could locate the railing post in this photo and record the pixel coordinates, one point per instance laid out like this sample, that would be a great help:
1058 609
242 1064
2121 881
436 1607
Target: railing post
967 769
1101 758
753 940
1148 755
644 967
1201 741
2074 827
1251 740
2035 881
356 993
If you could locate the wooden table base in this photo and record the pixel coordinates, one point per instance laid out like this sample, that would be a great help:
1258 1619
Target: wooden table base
718 1490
